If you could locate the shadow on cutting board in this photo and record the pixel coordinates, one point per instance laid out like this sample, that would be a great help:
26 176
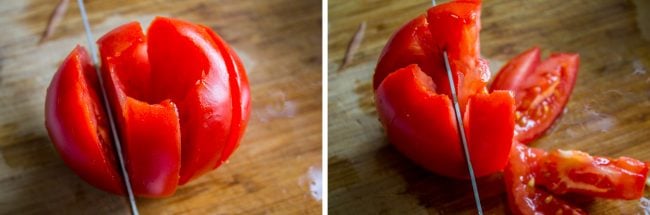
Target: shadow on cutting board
441 194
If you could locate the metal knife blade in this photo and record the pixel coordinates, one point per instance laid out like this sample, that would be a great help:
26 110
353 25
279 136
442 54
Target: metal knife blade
111 120
461 130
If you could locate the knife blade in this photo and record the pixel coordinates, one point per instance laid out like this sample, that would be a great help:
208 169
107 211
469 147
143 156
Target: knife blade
111 120
461 132
461 129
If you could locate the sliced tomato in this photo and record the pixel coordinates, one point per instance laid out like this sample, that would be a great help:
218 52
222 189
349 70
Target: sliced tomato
524 196
566 171
152 158
77 124
197 102
452 27
180 97
207 92
421 124
532 175
239 91
412 94
542 89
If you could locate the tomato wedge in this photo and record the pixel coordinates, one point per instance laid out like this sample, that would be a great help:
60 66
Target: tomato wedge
541 88
567 171
76 122
536 181
152 156
180 97
524 195
412 94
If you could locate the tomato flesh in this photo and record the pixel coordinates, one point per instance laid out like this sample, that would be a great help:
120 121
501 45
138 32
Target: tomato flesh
532 175
524 195
413 97
566 171
542 89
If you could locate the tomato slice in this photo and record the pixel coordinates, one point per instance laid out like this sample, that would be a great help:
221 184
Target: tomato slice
239 91
152 158
536 181
412 94
541 89
565 171
76 122
524 196
421 124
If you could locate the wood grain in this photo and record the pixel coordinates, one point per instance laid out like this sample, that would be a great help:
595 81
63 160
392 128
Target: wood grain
279 41
608 114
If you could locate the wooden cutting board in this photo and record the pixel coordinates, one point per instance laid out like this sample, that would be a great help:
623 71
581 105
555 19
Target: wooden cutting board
608 114
271 172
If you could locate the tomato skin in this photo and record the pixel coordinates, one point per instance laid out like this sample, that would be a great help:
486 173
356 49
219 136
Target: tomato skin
240 93
412 94
542 89
420 123
207 108
489 134
74 118
181 100
409 45
517 70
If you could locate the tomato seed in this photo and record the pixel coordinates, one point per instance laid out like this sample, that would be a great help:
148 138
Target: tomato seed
548 199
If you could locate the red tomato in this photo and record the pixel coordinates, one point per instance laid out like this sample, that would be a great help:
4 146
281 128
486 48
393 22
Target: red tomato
536 180
413 97
524 197
565 171
76 122
541 89
180 97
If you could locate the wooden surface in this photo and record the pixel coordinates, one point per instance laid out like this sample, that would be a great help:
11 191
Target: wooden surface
279 41
608 114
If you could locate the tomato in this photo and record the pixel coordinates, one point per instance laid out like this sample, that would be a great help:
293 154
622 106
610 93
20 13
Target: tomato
180 97
524 195
413 102
566 171
76 122
537 181
412 94
542 89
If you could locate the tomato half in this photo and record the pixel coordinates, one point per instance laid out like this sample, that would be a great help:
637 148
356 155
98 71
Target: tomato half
180 97
412 94
537 181
542 89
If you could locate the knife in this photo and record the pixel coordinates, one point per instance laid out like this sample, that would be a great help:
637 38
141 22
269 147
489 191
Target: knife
111 120
461 129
